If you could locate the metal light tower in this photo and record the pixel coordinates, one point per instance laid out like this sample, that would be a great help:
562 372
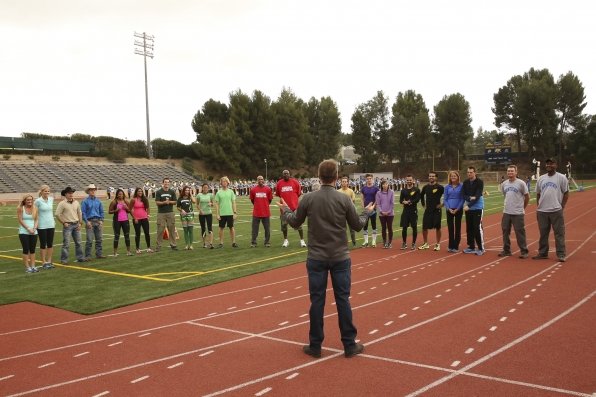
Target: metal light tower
146 52
266 170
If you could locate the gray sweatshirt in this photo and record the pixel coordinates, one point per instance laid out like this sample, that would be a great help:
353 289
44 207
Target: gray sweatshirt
327 211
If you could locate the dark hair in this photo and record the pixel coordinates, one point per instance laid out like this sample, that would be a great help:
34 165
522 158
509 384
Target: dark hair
433 172
204 184
328 171
164 179
384 182
367 175
143 198
183 189
472 168
409 176
116 195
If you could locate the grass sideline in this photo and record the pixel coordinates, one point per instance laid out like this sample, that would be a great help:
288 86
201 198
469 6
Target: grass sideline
116 282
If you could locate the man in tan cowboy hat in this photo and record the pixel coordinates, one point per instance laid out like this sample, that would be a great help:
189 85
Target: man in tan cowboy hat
92 210
69 215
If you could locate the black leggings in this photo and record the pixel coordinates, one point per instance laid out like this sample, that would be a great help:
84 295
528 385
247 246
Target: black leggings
373 222
145 224
387 223
209 219
46 238
125 226
28 241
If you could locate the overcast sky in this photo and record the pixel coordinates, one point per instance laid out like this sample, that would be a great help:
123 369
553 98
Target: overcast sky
69 66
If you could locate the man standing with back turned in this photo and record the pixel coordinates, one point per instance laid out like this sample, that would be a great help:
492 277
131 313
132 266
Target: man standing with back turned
328 252
289 190
552 193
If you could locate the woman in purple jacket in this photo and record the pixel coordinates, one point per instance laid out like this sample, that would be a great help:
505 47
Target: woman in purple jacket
385 202
454 203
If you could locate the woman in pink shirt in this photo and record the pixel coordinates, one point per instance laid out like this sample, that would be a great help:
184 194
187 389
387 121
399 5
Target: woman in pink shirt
139 206
119 207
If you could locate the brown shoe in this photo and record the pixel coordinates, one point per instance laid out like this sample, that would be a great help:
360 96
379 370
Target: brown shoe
88 259
504 253
562 259
101 257
311 352
539 257
354 351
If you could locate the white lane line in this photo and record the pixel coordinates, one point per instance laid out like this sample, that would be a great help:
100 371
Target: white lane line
470 350
473 276
493 328
438 296
206 353
448 290
416 308
414 271
284 323
148 333
457 285
455 363
538 285
405 275
303 315
267 297
373 287
403 315
298 287
388 323
295 374
527 296
466 280
80 354
212 314
361 292
283 292
386 282
543 279
479 272
231 308
139 379
248 303
175 365
7 377
396 279
427 302
114 344
520 302
533 290
482 339
503 318
263 391
47 365
511 311
548 275
374 331
102 394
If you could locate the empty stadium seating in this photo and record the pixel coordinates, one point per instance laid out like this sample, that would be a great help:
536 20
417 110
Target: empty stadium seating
28 177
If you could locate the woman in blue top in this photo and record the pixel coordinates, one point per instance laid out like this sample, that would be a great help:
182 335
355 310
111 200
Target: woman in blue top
454 203
45 207
27 214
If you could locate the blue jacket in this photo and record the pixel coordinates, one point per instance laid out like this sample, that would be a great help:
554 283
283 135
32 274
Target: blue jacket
452 197
92 208
473 189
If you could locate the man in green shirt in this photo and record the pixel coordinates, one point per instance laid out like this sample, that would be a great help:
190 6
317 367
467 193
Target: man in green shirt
165 198
225 211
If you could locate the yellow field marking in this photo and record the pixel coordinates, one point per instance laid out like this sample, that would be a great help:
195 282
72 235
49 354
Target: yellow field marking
96 270
169 273
16 235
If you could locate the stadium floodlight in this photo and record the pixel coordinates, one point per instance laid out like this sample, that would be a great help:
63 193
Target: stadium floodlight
147 45
265 169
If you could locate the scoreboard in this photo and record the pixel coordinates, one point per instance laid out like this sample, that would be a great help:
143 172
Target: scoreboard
497 153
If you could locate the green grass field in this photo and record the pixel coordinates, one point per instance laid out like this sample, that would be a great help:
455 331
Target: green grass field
101 285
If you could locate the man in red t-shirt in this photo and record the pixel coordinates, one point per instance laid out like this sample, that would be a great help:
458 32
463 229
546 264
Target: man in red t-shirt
261 197
289 190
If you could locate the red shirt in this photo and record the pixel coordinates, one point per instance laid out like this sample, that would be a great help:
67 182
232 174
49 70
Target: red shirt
261 196
289 191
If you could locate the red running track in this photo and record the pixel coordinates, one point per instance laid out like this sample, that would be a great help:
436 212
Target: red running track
433 324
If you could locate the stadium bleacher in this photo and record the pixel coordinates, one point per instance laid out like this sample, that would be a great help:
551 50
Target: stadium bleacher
28 177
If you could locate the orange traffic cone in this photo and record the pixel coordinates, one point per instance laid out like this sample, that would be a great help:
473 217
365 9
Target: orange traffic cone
166 234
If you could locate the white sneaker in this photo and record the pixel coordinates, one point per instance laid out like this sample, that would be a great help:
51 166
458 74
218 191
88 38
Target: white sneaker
286 244
302 243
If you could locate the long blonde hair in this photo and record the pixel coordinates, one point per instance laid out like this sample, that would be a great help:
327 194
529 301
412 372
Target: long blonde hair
33 207
42 188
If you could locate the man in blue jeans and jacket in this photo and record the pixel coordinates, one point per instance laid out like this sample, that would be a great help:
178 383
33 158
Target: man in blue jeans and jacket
92 209
328 211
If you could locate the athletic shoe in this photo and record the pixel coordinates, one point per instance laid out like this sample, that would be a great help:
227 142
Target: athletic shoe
353 243
480 252
413 246
35 270
234 245
389 246
149 250
285 244
29 270
46 266
253 246
139 252
424 247
503 253
374 244
523 256
455 250
311 352
349 353
267 245
211 246
115 255
437 247
186 248
128 253
190 247
204 245
469 251
174 248
562 259
404 246
220 246
51 265
384 246
302 243
157 249
539 257
364 245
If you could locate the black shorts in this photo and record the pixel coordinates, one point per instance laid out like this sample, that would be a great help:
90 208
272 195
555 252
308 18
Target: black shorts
226 220
409 220
432 220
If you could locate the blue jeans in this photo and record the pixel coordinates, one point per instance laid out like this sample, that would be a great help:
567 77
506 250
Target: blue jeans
69 230
93 232
341 279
